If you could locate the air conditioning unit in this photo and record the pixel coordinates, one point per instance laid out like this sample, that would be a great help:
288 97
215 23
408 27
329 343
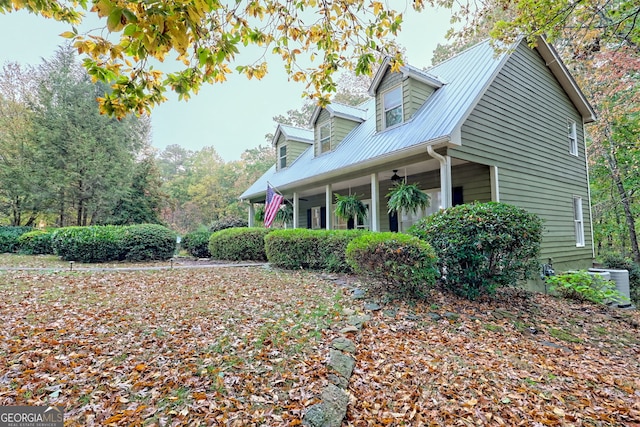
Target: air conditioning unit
621 279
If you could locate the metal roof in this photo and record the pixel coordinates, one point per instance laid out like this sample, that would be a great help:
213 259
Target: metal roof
465 77
293 133
356 114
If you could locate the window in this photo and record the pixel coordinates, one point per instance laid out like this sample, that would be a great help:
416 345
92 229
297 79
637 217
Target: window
325 137
342 224
392 102
578 220
316 218
407 219
282 157
573 139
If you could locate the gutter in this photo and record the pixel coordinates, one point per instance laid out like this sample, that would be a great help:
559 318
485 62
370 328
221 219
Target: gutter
445 176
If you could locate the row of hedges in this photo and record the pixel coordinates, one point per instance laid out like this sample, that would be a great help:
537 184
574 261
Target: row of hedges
9 236
95 243
473 248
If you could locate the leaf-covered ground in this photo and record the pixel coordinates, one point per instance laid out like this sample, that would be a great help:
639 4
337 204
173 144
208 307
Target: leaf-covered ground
248 346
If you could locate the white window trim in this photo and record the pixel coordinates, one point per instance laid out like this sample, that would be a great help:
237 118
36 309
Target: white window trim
320 139
341 224
573 138
578 220
384 110
281 157
316 220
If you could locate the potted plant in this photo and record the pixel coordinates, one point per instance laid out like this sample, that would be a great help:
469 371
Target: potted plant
349 208
406 197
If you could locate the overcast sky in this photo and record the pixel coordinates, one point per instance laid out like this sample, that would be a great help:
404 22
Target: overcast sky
231 117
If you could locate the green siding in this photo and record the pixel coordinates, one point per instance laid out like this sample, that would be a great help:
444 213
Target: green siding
521 126
294 149
340 129
323 117
415 95
389 81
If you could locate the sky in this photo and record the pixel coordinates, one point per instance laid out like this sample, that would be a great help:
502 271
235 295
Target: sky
231 117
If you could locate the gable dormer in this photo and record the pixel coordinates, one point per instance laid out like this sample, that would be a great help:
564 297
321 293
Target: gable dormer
290 142
400 94
332 124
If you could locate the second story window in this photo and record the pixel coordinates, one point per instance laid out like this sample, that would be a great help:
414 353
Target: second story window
325 137
282 157
392 102
573 139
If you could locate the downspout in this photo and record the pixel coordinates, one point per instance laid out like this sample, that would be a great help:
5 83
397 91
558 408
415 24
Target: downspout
445 176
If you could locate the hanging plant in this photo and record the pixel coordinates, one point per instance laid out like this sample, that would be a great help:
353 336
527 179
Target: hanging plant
350 207
407 197
285 213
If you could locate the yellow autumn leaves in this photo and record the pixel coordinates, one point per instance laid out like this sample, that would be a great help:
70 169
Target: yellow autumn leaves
206 37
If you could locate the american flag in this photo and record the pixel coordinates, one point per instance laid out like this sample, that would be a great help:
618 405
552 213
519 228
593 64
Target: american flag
271 206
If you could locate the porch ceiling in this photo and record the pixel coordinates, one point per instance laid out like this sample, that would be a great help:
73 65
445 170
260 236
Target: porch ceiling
364 176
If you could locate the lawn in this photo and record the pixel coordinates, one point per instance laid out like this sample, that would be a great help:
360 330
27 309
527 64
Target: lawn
247 346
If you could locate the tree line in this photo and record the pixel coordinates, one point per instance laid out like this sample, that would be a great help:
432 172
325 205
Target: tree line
63 163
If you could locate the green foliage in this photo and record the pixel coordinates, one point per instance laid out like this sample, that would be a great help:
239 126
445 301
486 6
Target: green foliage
619 262
482 246
350 207
405 264
89 244
310 249
102 243
227 222
9 236
148 242
239 244
582 286
36 242
407 197
197 243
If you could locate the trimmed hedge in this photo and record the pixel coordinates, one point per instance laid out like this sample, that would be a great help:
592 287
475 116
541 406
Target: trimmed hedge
229 222
197 244
103 243
482 246
9 237
239 244
144 242
36 242
98 243
310 249
404 264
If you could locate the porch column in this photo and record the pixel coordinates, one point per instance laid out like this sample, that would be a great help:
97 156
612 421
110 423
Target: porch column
328 212
445 177
296 206
495 184
252 214
375 201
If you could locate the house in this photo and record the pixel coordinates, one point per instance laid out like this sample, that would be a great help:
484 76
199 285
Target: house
477 127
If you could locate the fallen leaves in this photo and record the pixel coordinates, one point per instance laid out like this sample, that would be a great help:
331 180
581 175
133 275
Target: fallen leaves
248 346
236 346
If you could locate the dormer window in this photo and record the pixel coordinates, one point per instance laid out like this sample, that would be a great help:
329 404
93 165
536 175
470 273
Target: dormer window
282 157
325 137
392 102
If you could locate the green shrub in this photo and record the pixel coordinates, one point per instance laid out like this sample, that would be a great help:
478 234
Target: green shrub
98 243
9 237
239 244
482 246
229 222
404 264
582 286
197 243
619 262
144 242
310 249
36 242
